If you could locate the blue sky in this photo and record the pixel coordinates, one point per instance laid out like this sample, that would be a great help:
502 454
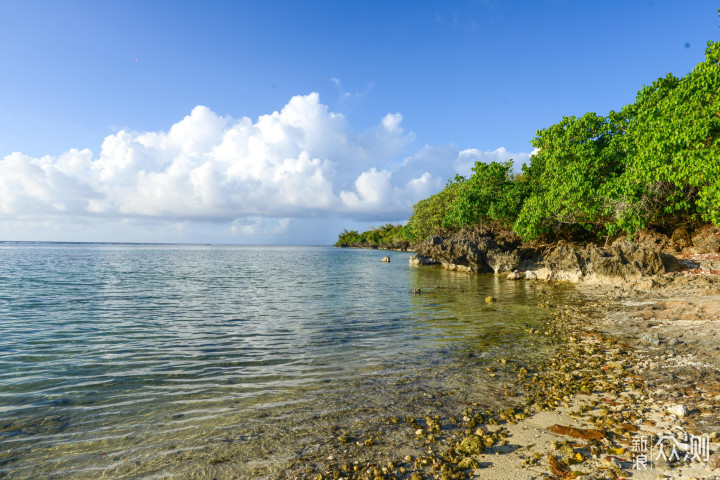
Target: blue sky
283 122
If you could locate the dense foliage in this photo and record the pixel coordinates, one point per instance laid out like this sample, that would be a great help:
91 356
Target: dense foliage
428 214
492 193
654 164
381 236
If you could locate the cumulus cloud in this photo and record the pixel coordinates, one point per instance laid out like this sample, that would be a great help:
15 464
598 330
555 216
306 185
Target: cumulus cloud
303 161
466 158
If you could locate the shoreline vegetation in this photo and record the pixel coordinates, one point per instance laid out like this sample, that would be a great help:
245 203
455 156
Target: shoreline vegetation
652 166
627 207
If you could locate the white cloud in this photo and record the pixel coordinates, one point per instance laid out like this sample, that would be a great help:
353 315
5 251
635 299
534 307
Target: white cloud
303 161
466 159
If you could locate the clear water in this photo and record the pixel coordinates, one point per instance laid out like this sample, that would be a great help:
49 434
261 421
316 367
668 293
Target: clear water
162 361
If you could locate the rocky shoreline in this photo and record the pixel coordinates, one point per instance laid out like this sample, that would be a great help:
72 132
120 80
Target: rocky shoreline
582 413
650 255
633 392
659 298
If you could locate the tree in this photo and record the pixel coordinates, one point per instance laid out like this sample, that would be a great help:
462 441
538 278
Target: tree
428 214
490 194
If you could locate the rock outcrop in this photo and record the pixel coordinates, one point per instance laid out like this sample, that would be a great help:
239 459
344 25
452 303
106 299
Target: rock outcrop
487 253
420 259
706 240
474 252
622 260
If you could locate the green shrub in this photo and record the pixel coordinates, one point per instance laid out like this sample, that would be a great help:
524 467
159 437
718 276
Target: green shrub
428 214
490 194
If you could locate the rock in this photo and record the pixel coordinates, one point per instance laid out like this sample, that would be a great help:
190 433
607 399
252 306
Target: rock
472 444
714 461
501 261
680 410
670 263
648 236
681 239
385 259
612 462
707 240
420 259
710 265
476 250
468 463
621 261
651 339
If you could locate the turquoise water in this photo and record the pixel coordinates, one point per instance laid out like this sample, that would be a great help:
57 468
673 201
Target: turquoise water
177 361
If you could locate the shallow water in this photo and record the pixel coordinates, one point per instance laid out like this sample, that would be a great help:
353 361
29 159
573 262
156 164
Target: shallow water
177 361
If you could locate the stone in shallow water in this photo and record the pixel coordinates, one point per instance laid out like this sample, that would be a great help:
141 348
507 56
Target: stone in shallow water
385 259
420 259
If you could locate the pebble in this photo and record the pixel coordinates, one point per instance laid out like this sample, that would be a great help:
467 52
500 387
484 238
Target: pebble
680 410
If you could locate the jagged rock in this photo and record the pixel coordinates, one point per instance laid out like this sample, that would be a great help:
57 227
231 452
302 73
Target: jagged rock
710 265
471 251
707 240
623 259
472 444
487 253
385 259
670 263
420 259
501 261
681 239
662 241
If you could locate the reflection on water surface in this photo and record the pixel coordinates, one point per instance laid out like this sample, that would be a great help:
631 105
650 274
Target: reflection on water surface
142 361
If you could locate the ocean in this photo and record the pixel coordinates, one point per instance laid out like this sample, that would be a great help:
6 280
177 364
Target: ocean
204 361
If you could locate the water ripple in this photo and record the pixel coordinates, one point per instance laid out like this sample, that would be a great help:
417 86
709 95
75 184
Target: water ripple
118 360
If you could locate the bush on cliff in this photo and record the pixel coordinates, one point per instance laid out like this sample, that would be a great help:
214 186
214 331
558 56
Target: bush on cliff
576 158
654 164
671 172
492 194
429 214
